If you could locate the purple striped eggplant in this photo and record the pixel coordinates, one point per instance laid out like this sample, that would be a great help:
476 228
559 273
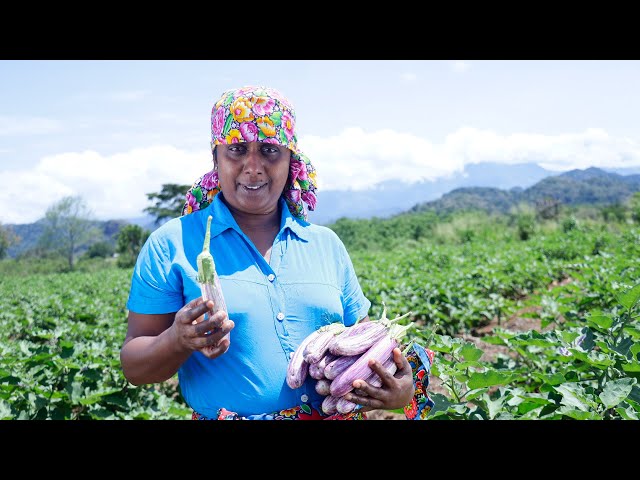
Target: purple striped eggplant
360 369
345 406
322 387
339 365
298 368
316 348
359 338
329 404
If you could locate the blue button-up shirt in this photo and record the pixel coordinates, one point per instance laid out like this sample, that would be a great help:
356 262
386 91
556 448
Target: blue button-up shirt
308 282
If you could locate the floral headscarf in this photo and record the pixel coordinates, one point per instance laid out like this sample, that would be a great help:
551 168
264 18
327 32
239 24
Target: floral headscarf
257 114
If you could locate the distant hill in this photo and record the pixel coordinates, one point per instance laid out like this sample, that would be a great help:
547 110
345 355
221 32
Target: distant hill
394 196
29 234
591 186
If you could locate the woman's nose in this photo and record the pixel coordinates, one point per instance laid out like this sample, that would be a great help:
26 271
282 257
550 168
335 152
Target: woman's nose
253 162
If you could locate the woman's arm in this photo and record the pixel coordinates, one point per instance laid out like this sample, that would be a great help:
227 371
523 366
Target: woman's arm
157 345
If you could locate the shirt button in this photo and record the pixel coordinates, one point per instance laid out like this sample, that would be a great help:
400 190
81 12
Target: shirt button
304 397
271 277
280 316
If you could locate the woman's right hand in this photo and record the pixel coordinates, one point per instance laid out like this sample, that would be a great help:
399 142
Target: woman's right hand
190 328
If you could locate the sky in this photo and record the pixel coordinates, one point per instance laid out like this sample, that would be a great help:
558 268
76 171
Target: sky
112 131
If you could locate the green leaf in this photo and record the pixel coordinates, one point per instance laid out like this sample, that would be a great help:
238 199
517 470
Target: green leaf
627 413
442 344
529 405
550 379
629 298
493 340
573 396
470 352
623 347
635 394
441 403
493 406
578 414
593 358
615 391
536 398
634 332
487 379
5 411
602 322
533 338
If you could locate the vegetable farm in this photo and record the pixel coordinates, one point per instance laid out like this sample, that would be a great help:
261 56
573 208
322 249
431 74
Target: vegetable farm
61 332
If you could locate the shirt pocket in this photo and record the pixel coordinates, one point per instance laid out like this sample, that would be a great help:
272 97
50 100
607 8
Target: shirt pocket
313 304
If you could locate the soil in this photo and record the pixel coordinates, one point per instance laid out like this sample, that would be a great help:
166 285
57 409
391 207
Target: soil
515 323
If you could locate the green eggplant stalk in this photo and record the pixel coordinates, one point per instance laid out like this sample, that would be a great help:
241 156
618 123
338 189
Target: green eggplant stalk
207 275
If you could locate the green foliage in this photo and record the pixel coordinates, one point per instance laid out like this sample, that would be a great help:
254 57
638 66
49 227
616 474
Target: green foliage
634 206
523 216
100 249
616 212
377 233
547 208
580 284
588 369
168 202
7 238
130 240
59 352
569 223
67 228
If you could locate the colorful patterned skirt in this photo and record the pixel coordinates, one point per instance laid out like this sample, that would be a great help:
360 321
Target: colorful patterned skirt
419 358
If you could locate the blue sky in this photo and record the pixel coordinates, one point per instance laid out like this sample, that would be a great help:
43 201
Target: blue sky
112 131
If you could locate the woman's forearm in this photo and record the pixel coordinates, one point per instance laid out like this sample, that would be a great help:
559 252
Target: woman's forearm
155 359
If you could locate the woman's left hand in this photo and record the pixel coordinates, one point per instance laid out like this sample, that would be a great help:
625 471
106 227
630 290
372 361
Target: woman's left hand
395 392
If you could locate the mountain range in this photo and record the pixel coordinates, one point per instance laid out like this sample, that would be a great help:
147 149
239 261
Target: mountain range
491 186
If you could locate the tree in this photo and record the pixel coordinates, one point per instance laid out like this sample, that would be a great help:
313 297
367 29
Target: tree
68 228
7 238
634 204
130 240
169 201
99 249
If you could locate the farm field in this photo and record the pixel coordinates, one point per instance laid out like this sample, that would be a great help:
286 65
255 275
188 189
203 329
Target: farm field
545 328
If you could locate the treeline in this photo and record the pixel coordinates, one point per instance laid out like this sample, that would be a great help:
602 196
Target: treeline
67 236
469 222
69 239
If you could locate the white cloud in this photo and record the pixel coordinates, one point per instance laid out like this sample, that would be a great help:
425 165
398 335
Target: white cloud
460 66
115 186
356 159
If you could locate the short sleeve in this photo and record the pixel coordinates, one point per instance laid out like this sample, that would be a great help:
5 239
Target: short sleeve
355 304
155 289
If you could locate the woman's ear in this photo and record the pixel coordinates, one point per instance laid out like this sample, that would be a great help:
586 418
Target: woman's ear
215 158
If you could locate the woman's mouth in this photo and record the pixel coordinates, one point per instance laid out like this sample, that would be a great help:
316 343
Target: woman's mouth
253 188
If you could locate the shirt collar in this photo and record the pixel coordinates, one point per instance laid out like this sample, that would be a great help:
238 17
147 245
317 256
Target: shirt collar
222 219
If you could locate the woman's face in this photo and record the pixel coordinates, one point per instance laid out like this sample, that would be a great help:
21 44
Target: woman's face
252 175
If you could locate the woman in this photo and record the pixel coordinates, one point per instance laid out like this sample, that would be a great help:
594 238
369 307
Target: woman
282 278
